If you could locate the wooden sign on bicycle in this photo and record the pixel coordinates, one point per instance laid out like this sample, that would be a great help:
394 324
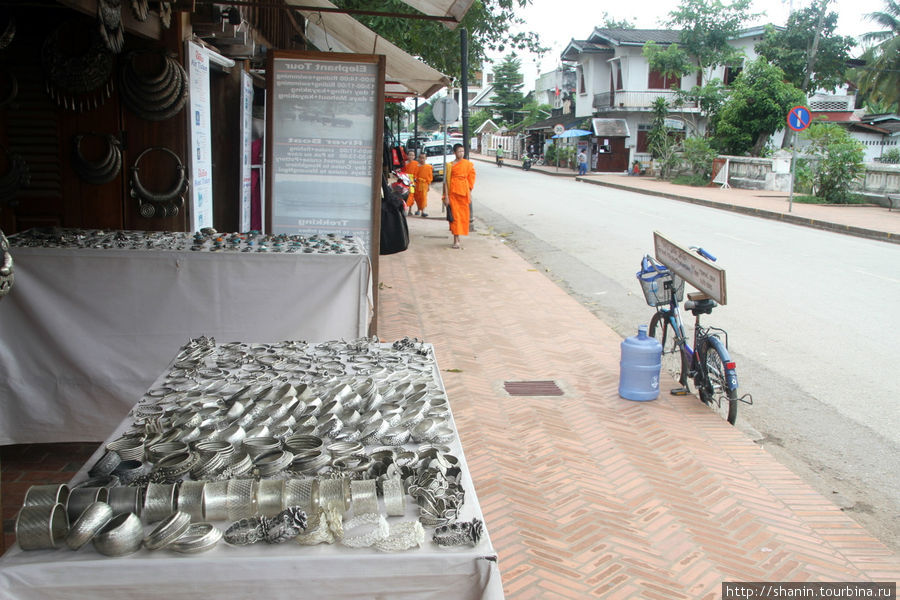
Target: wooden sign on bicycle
703 274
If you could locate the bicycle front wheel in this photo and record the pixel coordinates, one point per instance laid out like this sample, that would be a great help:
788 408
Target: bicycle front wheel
714 391
673 361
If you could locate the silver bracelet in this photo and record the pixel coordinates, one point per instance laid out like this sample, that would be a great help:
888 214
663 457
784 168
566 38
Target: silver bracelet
199 537
269 496
402 536
190 499
159 501
379 531
122 535
41 527
394 498
91 520
47 495
169 530
457 534
364 496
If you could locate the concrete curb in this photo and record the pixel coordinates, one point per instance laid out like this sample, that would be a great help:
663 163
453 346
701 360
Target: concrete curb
871 234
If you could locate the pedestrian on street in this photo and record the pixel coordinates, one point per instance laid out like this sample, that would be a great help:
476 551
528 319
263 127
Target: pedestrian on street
582 163
411 168
458 194
424 177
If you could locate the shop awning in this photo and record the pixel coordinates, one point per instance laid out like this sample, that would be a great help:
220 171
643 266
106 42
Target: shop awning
610 128
443 8
405 75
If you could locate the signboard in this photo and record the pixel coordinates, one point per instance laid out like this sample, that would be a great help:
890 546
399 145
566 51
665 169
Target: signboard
798 118
246 148
445 110
558 129
324 143
200 142
704 275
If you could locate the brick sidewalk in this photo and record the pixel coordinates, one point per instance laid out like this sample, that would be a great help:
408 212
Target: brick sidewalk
586 494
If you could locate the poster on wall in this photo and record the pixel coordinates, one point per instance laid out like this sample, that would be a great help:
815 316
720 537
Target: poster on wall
246 152
324 143
201 141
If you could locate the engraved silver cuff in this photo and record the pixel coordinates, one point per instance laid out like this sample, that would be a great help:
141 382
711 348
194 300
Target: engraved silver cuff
41 527
81 498
122 535
91 521
47 495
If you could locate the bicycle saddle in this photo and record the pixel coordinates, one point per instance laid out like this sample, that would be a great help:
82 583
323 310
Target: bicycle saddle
700 307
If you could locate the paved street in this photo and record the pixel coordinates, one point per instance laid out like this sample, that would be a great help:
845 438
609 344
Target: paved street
809 314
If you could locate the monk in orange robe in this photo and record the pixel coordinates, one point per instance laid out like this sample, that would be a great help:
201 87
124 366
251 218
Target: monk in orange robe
411 168
424 177
458 193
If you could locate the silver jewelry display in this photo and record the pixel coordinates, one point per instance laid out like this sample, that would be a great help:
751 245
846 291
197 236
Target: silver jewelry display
89 523
81 498
104 170
159 204
159 501
394 498
7 274
190 499
157 96
458 534
363 496
402 536
377 531
77 82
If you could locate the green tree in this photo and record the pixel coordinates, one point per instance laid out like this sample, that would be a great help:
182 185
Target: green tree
879 79
670 60
611 23
706 28
491 25
698 154
839 161
792 49
662 144
708 98
478 118
759 102
426 117
508 84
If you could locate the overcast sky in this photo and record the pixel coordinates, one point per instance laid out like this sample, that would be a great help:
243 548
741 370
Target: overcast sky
558 21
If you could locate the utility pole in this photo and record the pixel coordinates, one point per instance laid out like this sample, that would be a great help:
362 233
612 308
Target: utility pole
810 65
464 102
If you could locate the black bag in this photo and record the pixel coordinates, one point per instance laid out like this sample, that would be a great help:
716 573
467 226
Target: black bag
394 230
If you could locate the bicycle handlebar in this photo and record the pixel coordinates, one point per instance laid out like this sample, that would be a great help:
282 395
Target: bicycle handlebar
703 253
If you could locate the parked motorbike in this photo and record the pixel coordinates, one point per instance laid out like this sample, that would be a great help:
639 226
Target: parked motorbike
526 162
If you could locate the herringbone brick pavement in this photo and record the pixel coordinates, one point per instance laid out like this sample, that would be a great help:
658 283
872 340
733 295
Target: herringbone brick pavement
588 495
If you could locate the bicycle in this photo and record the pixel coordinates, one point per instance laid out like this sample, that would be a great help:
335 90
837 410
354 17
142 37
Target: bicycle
708 363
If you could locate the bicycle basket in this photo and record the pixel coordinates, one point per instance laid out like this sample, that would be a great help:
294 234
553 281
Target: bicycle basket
653 277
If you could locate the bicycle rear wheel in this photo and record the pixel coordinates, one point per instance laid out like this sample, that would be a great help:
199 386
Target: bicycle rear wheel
673 360
714 391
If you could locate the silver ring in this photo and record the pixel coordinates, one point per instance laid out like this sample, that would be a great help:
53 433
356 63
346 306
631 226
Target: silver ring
91 520
120 536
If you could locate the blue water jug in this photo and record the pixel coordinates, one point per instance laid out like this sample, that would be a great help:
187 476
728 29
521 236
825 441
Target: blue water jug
639 367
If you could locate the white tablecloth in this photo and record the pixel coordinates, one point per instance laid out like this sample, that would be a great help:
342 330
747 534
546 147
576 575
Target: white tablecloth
84 332
287 571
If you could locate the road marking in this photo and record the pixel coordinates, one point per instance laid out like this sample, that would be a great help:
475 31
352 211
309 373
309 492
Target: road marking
737 239
891 279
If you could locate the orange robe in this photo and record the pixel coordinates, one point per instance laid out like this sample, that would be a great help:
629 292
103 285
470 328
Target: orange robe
460 181
424 177
412 169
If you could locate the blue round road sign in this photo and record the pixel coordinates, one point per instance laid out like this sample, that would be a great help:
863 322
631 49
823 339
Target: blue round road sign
798 118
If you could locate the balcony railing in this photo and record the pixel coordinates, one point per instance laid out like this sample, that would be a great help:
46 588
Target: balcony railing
635 100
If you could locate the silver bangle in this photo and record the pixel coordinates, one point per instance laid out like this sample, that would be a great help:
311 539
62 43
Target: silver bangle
125 499
334 493
270 496
169 530
81 498
364 496
47 495
106 464
301 492
41 527
459 533
215 494
122 535
379 531
190 499
240 499
394 498
91 520
199 537
159 502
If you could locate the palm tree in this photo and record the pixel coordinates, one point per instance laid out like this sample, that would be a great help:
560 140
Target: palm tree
879 80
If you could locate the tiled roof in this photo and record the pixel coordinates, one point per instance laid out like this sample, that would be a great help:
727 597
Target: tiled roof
636 36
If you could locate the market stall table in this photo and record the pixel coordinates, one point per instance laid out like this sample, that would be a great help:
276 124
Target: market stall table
86 330
408 377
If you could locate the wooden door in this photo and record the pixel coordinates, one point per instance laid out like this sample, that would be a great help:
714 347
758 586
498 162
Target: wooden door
616 159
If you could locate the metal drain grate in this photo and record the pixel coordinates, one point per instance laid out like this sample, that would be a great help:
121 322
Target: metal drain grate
532 388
